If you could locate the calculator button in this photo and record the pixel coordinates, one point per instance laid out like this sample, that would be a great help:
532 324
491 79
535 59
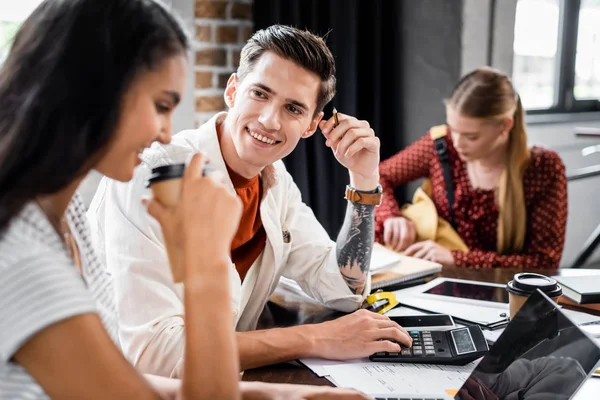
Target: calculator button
393 354
430 352
380 354
417 348
417 352
406 352
429 348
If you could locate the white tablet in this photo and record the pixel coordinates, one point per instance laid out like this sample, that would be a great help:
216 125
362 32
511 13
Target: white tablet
480 302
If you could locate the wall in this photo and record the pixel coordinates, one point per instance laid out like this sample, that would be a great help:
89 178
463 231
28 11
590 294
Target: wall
584 215
431 50
221 30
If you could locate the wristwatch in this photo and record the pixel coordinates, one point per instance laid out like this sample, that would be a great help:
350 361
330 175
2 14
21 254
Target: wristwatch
370 198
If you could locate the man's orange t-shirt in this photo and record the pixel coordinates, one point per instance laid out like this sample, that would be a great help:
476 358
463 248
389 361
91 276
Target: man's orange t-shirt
250 238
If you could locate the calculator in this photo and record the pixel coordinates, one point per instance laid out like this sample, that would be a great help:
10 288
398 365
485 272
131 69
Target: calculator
453 347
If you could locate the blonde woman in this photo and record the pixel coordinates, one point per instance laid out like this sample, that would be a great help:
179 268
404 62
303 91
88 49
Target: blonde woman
510 201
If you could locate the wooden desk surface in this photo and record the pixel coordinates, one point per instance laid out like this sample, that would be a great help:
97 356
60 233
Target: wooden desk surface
288 309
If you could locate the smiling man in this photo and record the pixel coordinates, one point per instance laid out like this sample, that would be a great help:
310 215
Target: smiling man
285 78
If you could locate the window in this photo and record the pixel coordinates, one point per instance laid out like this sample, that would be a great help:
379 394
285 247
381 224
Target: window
12 15
587 59
556 65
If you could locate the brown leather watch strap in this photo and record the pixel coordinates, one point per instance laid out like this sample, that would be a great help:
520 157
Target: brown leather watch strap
359 197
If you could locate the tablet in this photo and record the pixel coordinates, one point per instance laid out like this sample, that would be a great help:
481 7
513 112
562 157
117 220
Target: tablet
471 301
469 290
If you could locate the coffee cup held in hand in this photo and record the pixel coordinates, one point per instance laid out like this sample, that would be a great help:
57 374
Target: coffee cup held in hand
165 183
525 284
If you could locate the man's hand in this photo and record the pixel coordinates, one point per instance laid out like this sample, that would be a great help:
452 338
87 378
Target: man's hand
358 335
430 250
399 233
356 147
272 391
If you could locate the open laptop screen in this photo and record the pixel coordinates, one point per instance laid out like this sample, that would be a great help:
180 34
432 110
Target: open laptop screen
540 355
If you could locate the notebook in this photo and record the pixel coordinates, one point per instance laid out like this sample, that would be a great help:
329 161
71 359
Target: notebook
541 354
581 289
389 268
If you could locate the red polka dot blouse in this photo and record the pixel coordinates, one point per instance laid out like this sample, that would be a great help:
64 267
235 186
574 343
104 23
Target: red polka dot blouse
475 210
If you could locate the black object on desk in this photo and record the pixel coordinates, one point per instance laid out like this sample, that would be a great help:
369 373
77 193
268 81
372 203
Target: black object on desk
453 347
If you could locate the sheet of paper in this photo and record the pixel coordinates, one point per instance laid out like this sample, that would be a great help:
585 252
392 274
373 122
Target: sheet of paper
589 390
492 336
410 379
579 317
383 258
317 365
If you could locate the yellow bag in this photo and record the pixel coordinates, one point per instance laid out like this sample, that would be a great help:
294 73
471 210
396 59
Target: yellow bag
422 212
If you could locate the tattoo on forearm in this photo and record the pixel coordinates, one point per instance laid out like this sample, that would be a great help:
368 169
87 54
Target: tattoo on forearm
355 245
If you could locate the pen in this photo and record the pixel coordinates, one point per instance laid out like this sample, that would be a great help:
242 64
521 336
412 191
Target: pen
336 122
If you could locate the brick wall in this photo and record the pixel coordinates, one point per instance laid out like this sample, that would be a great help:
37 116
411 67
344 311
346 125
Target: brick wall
222 28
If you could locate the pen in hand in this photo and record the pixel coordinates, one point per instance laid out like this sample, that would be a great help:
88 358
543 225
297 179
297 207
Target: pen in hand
336 122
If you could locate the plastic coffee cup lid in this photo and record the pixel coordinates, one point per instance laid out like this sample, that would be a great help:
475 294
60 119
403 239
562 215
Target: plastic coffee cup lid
166 172
526 283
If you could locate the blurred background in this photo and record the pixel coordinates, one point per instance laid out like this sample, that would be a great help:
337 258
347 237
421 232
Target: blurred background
396 61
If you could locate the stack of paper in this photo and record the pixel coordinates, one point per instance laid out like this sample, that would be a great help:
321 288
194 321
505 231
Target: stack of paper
375 377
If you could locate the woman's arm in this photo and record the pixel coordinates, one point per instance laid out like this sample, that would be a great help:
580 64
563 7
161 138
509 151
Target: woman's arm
406 166
76 358
202 226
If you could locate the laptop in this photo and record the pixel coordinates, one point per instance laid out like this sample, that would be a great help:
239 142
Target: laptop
540 355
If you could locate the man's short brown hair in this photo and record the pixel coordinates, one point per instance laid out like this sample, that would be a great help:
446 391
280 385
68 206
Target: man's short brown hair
299 46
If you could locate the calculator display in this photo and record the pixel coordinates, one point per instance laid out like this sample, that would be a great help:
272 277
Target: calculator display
463 341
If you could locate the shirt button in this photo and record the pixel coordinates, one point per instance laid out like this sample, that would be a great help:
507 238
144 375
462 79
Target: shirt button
234 313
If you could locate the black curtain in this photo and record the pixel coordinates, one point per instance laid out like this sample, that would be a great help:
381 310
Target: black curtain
364 36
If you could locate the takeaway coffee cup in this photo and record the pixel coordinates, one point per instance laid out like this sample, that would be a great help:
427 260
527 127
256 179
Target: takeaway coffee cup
165 183
525 284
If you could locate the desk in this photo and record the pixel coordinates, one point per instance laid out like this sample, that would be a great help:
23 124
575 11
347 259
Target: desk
289 309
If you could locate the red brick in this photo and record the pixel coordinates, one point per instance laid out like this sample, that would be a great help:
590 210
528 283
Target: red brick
214 57
223 78
203 33
235 59
246 33
210 103
203 79
210 9
226 34
241 11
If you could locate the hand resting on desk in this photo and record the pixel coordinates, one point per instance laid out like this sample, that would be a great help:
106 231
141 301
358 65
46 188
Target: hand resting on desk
357 335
